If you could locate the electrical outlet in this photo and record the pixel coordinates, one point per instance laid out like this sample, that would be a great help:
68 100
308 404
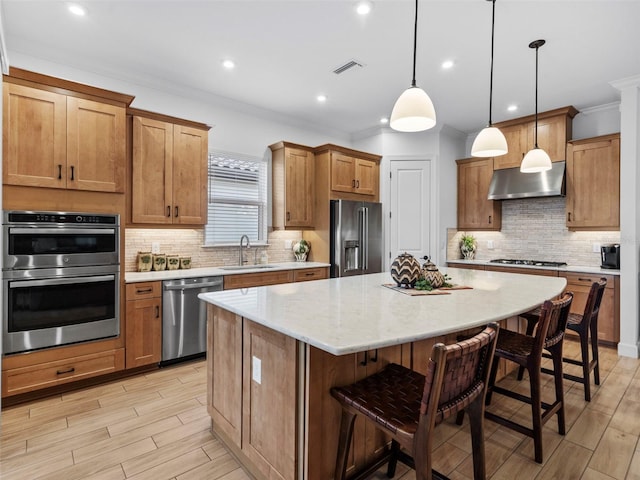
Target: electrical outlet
155 247
595 248
256 370
288 244
490 244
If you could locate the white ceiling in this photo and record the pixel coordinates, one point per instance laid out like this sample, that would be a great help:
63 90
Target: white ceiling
285 52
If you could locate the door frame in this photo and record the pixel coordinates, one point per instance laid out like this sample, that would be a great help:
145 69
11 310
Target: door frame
385 198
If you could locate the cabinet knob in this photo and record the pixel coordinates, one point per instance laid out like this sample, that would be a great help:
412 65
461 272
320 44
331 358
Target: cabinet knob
176 212
59 171
357 183
168 210
489 219
157 311
144 290
68 370
288 216
72 172
568 216
353 183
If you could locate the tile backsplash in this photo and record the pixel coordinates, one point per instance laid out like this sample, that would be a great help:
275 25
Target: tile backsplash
535 229
189 243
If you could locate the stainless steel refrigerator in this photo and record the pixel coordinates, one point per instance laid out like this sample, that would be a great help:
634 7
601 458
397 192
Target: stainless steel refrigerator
356 238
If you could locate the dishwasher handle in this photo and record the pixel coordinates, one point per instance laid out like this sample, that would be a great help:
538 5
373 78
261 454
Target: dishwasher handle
193 286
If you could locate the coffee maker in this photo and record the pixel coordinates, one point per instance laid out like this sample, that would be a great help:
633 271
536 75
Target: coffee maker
610 256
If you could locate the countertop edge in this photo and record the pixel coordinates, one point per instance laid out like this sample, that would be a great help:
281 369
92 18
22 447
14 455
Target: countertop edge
133 277
567 269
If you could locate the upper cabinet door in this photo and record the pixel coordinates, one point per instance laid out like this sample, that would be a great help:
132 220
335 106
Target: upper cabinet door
190 149
475 211
35 137
516 143
342 173
96 146
593 184
151 171
299 168
552 137
366 177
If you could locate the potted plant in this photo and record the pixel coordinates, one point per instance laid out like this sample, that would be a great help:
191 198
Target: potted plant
301 250
468 246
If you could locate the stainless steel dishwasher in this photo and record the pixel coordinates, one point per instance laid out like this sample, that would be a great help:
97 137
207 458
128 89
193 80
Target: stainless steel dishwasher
184 316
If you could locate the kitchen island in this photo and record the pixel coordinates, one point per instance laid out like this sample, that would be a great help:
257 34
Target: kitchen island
274 352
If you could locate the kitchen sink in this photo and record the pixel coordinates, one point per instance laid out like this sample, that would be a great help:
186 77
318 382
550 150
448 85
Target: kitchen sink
246 267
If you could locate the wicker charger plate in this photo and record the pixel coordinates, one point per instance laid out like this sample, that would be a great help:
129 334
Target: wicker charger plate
417 293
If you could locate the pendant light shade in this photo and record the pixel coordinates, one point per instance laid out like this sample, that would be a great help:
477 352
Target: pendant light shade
490 142
536 160
413 111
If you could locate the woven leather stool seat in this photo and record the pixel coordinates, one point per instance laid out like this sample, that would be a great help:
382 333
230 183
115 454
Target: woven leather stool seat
526 351
407 405
586 326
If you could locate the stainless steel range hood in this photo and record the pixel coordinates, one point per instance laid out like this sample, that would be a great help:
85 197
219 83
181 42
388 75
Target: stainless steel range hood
510 183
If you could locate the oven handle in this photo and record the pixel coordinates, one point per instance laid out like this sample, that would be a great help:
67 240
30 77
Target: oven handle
59 281
61 231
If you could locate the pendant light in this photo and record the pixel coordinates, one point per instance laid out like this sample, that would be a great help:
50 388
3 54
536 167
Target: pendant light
490 142
536 160
413 111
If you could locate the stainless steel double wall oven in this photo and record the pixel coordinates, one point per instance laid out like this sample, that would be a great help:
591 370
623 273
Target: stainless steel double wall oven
60 278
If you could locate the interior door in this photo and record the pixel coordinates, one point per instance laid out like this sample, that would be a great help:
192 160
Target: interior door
409 205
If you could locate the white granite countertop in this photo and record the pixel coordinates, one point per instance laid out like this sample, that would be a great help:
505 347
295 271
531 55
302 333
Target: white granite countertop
567 268
132 277
355 314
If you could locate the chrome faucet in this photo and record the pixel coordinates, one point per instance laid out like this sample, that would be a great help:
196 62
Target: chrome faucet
241 256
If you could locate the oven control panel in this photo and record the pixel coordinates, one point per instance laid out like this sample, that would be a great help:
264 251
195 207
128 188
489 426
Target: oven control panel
63 218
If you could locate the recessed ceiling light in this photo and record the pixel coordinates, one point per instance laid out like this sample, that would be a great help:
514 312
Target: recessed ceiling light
364 7
384 120
512 108
321 98
76 9
447 64
228 64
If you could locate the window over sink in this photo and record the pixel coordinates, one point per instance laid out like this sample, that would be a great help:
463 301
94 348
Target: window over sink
237 199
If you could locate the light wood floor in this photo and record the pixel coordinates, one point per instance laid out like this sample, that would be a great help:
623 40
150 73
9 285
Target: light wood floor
155 426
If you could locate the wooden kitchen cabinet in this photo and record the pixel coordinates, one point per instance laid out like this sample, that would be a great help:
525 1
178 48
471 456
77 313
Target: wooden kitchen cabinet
593 183
258 279
353 175
56 137
252 392
293 171
609 316
143 323
224 386
348 174
475 211
168 170
554 130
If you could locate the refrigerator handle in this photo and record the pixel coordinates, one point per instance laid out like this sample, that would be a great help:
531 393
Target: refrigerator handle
365 239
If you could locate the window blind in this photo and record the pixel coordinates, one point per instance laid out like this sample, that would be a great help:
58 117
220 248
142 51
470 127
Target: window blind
237 198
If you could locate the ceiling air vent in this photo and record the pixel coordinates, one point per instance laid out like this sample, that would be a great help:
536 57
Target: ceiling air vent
350 64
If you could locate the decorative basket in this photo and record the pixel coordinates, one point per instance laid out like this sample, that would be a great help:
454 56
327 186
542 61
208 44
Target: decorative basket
173 262
405 270
144 261
431 273
159 261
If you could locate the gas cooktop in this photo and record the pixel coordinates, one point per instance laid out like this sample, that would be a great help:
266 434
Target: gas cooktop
537 263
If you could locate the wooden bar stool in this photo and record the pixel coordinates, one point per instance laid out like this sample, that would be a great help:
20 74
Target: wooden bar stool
526 351
585 325
408 405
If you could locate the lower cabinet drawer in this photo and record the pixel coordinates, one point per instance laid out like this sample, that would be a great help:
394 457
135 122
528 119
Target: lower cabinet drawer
34 377
310 274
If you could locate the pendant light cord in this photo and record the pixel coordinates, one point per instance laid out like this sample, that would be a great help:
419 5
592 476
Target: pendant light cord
493 17
415 45
536 129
